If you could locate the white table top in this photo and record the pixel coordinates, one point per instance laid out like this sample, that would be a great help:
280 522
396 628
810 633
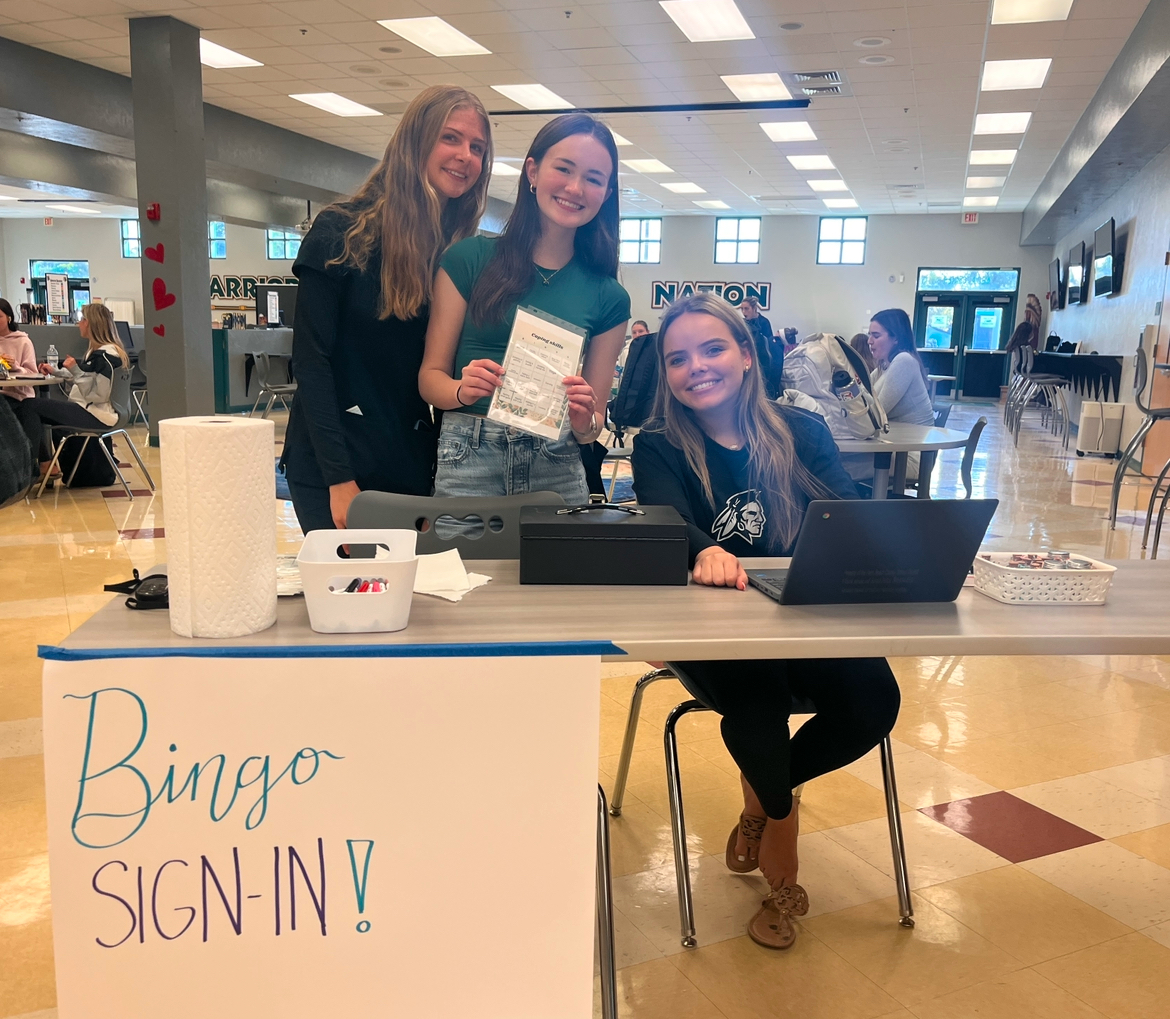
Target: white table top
905 438
680 623
941 378
40 380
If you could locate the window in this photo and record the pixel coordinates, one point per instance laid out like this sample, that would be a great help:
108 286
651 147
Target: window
131 239
737 240
39 268
640 240
959 280
841 240
216 240
283 244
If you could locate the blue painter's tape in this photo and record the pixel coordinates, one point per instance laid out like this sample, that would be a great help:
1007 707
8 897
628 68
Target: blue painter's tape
514 650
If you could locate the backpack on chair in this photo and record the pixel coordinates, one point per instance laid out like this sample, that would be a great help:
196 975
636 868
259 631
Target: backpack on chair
635 397
825 368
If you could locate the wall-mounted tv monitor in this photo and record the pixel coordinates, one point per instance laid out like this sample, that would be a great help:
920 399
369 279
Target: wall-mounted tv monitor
1104 279
1076 274
1055 286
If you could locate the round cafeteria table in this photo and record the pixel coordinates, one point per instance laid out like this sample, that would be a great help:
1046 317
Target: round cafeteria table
40 380
901 440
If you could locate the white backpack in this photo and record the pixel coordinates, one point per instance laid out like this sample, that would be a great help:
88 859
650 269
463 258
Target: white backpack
851 411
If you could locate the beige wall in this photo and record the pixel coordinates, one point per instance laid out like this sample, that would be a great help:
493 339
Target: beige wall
839 299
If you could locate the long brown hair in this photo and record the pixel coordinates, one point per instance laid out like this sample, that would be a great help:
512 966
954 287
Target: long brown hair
772 462
897 325
397 211
102 332
510 273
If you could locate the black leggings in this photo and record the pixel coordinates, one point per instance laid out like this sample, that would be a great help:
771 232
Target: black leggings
63 412
311 505
30 421
856 702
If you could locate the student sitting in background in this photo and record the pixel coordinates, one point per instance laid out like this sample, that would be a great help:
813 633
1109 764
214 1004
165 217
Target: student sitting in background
860 343
741 470
639 328
900 384
17 349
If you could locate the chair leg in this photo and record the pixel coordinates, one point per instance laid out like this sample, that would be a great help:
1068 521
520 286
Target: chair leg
1158 529
897 845
678 827
77 462
1153 499
619 785
612 481
114 464
1123 463
134 449
53 463
605 939
259 397
268 406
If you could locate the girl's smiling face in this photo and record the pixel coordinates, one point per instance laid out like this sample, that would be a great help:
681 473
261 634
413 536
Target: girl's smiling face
456 161
572 181
704 365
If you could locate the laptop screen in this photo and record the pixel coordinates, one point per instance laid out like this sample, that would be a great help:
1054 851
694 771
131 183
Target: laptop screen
125 335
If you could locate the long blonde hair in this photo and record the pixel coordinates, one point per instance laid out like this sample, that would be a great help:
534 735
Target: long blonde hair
102 332
397 211
772 463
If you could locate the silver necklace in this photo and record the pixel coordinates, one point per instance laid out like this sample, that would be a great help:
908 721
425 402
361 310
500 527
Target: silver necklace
546 280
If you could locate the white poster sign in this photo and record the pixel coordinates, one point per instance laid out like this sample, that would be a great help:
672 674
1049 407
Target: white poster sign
57 294
299 837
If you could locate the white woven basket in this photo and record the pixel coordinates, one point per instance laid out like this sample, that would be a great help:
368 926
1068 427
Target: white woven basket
1041 587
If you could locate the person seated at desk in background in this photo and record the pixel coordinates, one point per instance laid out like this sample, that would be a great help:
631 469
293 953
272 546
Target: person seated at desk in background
860 343
741 470
17 349
768 350
639 328
900 384
89 403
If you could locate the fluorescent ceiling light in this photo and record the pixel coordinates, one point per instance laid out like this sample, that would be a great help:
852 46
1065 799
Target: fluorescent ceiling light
1020 12
789 131
708 20
7 198
828 185
713 205
752 87
435 36
504 169
840 203
811 163
647 166
75 208
331 102
685 189
214 55
618 139
1002 123
975 183
978 202
534 97
1004 75
992 157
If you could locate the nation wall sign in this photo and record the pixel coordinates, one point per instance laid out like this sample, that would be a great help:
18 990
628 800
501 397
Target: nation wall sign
244 287
664 292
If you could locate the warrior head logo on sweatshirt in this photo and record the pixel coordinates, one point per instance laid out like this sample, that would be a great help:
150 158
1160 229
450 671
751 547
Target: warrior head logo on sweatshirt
743 514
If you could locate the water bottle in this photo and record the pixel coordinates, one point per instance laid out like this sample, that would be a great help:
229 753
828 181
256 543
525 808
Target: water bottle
51 356
845 386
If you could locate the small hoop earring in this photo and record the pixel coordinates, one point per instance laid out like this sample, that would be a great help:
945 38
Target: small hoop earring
532 188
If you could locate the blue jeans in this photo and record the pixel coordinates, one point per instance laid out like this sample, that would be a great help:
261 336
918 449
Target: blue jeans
478 457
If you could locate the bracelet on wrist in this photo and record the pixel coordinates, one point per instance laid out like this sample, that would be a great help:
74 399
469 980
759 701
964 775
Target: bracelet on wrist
458 398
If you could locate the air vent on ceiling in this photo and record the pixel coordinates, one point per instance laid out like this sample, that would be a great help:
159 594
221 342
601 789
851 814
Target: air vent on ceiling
394 83
943 206
906 187
363 69
817 83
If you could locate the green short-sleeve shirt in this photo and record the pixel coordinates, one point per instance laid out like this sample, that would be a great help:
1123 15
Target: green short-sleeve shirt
595 303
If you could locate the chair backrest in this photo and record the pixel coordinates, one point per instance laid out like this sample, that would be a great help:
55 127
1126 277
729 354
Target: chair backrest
941 414
969 454
1027 359
263 368
142 363
441 523
120 394
1141 376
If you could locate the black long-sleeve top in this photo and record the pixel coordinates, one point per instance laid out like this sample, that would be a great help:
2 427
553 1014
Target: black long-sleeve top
738 521
358 415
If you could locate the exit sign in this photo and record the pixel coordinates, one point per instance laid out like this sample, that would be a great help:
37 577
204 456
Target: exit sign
970 218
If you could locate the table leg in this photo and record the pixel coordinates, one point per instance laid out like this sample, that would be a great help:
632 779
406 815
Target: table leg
925 470
901 460
881 474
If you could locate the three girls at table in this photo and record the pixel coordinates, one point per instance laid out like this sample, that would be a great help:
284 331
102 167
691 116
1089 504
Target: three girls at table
741 470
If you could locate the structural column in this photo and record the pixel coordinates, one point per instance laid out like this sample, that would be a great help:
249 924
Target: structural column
167 89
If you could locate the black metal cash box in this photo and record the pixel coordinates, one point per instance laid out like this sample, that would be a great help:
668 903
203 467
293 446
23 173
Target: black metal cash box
603 544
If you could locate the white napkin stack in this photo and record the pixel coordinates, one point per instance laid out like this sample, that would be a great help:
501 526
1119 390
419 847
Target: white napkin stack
443 576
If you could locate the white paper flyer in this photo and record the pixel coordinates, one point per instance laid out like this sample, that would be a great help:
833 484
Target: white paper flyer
542 351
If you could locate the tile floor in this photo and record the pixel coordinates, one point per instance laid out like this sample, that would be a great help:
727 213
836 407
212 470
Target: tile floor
1034 794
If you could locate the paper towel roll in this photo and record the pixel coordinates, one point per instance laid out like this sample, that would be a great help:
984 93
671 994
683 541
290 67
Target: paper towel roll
219 492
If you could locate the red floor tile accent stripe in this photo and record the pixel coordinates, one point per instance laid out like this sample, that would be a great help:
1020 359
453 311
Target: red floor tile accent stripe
143 532
118 493
1010 827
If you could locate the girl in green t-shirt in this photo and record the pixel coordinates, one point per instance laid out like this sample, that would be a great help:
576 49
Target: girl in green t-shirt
558 253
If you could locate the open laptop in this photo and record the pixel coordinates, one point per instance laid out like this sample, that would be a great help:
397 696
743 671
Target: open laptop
885 550
125 335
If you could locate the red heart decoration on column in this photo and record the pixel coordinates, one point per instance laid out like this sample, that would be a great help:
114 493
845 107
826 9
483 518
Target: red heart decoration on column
161 298
156 253
160 330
